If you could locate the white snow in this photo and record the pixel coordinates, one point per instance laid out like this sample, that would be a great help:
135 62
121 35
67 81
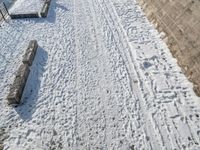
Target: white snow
27 6
102 79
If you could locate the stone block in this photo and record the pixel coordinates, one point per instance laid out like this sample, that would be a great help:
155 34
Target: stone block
45 8
21 16
17 88
30 53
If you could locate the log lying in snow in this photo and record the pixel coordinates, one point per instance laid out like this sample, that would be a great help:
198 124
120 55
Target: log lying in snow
17 88
45 8
30 53
21 16
43 13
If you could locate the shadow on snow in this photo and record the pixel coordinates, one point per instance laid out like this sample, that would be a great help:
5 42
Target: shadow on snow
32 89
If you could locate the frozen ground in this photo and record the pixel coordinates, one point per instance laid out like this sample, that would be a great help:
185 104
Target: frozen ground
102 79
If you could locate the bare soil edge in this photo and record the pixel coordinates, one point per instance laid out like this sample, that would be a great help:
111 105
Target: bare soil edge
170 39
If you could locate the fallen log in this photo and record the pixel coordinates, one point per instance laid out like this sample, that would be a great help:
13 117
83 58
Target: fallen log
30 53
21 16
16 90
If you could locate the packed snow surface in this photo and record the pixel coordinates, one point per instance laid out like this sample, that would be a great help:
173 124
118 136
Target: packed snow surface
27 6
102 79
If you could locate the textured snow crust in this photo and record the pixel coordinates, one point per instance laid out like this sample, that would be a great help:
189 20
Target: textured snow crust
102 79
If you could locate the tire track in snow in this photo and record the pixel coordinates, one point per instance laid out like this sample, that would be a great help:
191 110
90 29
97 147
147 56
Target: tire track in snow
114 103
129 13
89 115
116 35
115 52
161 135
100 88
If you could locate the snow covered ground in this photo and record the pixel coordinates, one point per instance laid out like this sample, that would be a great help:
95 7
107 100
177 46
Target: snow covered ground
101 79
27 6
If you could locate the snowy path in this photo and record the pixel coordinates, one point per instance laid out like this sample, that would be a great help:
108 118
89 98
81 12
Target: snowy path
102 79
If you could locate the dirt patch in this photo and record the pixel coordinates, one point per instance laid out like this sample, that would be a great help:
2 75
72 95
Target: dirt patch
179 25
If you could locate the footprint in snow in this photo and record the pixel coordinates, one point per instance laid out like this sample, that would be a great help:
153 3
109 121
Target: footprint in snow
147 64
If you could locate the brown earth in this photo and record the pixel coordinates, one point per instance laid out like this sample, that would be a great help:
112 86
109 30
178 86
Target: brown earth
179 23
